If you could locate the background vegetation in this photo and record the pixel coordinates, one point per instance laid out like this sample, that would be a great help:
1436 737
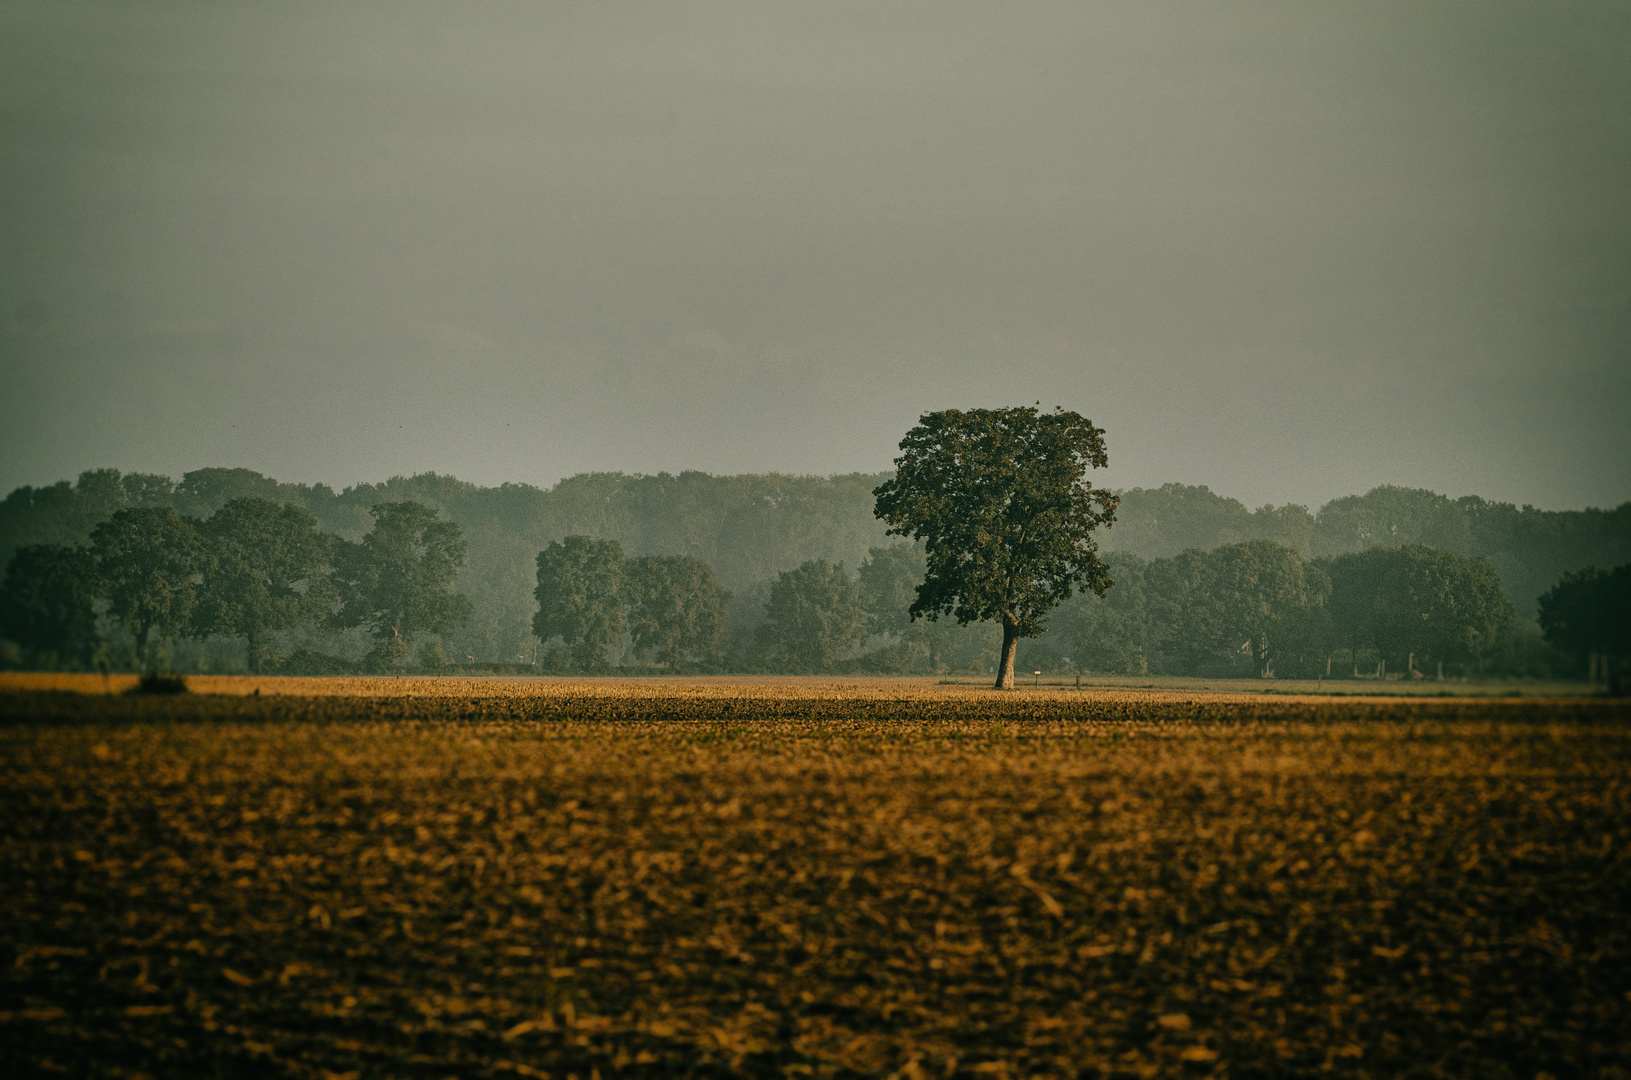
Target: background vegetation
750 531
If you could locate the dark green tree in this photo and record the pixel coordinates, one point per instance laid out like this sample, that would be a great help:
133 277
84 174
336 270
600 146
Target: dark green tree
1356 581
1441 605
48 604
580 593
1589 611
816 614
1000 500
149 560
1418 604
1253 598
676 608
397 581
267 571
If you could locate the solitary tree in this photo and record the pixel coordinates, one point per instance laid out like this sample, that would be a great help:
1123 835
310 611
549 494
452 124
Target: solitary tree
266 572
48 604
148 559
396 582
676 608
816 614
581 582
1001 501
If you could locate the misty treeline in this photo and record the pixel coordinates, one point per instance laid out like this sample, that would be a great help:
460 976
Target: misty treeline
772 572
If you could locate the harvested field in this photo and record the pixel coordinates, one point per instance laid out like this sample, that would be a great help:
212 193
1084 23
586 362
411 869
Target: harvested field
509 878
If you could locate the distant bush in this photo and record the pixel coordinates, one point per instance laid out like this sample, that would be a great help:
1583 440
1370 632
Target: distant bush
156 684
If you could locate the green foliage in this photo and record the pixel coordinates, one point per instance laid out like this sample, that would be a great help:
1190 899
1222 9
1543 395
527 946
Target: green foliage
1590 611
1528 548
396 582
1418 602
1109 634
204 492
1000 500
676 608
1238 600
266 572
816 614
1392 517
581 582
1161 522
889 578
749 528
65 513
149 559
48 604
431 656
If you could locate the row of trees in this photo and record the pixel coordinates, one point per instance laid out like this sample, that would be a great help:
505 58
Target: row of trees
1260 608
257 568
253 569
589 594
671 610
749 528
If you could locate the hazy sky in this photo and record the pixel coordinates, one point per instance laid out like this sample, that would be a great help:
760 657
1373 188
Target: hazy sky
1287 250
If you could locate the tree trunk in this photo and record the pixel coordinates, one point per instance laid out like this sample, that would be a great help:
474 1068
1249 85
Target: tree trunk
1010 645
141 646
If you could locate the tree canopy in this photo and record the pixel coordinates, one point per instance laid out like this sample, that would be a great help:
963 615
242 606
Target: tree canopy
1001 502
816 614
1417 603
266 571
581 581
396 582
48 602
148 558
1245 598
676 608
1589 611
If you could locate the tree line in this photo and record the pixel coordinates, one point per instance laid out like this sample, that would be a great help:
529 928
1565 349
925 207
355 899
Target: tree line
253 569
1259 608
256 569
751 533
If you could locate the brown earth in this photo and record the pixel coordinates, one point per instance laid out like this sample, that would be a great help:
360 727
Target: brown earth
433 878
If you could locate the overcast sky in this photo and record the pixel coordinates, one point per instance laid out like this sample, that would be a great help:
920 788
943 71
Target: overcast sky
1287 250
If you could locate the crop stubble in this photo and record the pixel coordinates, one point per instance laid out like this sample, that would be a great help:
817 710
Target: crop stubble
513 880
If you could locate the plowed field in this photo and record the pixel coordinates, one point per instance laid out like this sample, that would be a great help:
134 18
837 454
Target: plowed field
515 879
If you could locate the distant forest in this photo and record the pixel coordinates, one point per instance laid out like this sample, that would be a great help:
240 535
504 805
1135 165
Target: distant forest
752 529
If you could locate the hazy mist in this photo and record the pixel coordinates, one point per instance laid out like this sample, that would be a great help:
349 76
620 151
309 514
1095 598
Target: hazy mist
1289 251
